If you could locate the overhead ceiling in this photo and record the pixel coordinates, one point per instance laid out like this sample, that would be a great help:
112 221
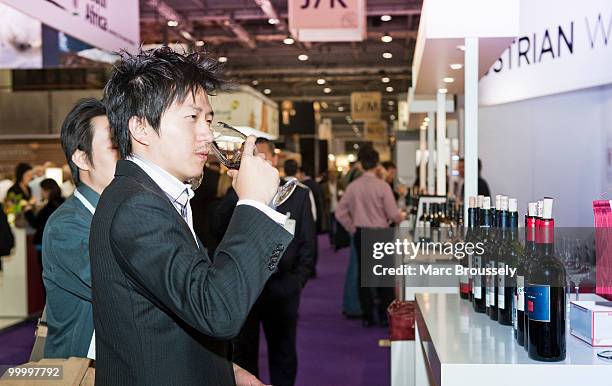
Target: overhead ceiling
240 31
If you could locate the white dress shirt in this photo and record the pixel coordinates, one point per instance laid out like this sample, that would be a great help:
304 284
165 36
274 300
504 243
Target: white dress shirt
180 193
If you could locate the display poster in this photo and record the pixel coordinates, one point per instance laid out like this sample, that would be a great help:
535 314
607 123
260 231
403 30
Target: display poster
328 20
20 39
246 107
111 25
563 45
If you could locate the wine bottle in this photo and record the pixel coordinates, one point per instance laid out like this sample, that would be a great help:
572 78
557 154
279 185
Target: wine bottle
511 252
493 260
546 303
466 281
522 322
480 286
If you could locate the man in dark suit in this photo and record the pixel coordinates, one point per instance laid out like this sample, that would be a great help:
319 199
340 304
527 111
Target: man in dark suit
277 307
164 310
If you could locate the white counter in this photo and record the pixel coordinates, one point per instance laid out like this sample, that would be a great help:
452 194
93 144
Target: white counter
457 347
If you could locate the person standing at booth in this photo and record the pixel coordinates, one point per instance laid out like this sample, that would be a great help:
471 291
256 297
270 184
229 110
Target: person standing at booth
86 141
164 309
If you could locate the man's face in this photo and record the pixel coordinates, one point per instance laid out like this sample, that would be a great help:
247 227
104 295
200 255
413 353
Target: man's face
104 154
390 174
264 149
184 139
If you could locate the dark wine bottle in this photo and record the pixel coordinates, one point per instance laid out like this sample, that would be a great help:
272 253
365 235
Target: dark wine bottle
492 260
523 265
484 234
538 217
509 254
546 303
465 282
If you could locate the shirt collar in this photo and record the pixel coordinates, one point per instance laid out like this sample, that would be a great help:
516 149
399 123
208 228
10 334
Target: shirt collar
171 185
91 195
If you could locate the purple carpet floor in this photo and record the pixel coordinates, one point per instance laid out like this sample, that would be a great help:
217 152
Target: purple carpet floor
16 345
333 350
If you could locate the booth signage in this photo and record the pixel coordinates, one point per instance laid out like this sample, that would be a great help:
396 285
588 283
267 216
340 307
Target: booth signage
563 45
111 25
328 20
376 131
365 106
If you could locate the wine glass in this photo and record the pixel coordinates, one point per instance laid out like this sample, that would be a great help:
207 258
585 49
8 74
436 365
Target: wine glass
228 147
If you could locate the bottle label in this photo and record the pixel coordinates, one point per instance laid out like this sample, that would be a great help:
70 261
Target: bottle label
501 279
487 287
501 289
477 292
491 286
538 302
520 290
514 314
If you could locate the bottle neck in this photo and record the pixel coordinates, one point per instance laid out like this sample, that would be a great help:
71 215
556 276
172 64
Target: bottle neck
545 236
513 225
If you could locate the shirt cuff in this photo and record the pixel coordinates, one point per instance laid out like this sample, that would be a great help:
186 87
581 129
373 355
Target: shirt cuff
277 217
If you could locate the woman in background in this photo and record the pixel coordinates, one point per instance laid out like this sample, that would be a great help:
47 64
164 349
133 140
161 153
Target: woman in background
23 176
52 197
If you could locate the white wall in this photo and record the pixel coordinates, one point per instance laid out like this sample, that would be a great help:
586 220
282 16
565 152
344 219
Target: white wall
554 146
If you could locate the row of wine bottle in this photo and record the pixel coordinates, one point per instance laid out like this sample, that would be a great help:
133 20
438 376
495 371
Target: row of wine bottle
532 300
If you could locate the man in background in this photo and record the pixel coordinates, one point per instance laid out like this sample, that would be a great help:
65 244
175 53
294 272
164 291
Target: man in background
483 186
276 309
91 156
368 203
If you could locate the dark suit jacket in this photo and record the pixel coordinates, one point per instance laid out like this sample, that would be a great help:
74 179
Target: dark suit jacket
163 311
298 260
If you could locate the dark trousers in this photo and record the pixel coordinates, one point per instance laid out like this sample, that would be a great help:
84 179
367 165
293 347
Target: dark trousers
278 315
373 300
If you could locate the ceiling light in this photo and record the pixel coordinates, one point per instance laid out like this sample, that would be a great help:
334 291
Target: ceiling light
327 90
448 80
340 108
172 23
461 47
267 91
392 117
386 38
288 40
389 89
387 55
255 82
391 102
385 79
385 18
199 43
222 59
456 66
426 119
321 81
442 90
303 57
273 21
